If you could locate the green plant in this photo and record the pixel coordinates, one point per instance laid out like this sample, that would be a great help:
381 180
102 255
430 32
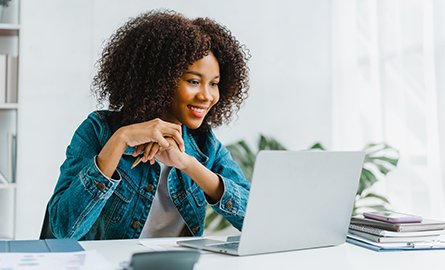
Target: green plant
4 3
380 159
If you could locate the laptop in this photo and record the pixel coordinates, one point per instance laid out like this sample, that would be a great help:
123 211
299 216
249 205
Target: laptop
298 200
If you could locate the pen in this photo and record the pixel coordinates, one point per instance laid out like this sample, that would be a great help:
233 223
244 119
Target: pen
136 162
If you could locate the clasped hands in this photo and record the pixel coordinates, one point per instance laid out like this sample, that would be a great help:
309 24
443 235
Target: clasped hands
160 140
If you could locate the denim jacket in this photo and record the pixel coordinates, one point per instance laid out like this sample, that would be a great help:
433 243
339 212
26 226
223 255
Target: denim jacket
87 205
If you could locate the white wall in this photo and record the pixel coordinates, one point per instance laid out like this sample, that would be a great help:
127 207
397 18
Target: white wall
54 97
290 97
290 43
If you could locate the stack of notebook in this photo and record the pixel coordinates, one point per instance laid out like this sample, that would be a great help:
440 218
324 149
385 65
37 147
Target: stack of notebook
35 246
381 236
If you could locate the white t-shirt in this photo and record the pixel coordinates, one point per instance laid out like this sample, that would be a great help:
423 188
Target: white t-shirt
164 219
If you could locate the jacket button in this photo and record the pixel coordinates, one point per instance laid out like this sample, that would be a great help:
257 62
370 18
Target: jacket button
136 224
149 188
229 204
196 229
99 185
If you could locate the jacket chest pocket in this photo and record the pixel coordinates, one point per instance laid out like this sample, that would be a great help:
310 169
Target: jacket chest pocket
119 203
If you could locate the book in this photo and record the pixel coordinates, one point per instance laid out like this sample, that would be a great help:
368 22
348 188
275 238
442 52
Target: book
48 245
424 225
11 156
394 239
12 64
2 78
381 232
404 246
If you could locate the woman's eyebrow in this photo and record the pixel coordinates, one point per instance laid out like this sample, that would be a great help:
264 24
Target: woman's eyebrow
198 74
193 72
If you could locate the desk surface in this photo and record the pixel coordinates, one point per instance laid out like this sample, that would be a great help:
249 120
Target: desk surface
343 257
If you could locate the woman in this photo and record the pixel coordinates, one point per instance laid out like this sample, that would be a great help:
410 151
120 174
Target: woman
168 80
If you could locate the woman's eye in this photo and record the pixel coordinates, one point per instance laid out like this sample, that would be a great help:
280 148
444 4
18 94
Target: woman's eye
194 82
214 84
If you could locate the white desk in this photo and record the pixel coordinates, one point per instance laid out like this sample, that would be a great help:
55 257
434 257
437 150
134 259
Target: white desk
342 257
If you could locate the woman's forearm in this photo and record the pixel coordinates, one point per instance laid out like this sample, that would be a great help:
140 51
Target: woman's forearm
111 153
209 182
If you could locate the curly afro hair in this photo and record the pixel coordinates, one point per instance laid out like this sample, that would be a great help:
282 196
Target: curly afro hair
144 59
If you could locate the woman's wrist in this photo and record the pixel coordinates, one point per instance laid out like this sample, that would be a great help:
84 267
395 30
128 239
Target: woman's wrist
121 136
108 158
188 163
209 182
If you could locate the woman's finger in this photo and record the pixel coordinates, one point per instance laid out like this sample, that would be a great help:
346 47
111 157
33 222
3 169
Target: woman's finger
154 150
179 141
175 131
173 142
148 150
159 138
139 149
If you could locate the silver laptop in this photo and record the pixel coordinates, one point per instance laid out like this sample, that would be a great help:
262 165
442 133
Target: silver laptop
298 200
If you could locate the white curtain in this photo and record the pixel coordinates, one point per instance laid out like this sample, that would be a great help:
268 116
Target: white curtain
389 86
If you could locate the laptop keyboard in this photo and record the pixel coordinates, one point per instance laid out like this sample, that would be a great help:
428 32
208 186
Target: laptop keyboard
228 245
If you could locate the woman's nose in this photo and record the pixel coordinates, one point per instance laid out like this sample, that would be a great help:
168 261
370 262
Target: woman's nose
205 94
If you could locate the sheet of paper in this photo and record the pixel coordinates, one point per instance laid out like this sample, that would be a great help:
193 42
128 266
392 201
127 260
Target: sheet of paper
84 260
165 244
160 244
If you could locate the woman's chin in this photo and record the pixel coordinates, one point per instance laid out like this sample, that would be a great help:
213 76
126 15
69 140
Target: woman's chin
193 124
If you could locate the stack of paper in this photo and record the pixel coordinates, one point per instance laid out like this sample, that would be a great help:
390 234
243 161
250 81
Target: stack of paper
84 260
381 236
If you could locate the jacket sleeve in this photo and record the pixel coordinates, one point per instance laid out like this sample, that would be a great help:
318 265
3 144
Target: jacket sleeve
81 190
233 203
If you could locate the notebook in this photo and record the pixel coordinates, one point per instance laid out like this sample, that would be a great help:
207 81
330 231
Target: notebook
381 232
394 239
298 200
407 246
36 246
424 225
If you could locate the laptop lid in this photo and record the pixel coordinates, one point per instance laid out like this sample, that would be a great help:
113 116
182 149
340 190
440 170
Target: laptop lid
300 200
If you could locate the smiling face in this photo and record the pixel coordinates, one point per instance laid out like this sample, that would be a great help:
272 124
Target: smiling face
197 92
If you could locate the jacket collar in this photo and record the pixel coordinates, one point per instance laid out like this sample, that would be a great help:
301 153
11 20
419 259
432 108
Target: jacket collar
191 146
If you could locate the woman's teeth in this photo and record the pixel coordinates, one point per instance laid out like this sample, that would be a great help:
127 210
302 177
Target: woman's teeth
198 110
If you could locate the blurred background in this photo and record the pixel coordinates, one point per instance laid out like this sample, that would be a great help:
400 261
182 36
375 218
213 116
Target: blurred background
344 73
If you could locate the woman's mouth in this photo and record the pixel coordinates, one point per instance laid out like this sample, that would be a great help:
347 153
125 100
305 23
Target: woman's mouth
197 111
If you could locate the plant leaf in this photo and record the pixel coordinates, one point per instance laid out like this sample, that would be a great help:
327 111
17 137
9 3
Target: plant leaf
392 161
211 215
376 196
266 143
244 156
317 146
367 179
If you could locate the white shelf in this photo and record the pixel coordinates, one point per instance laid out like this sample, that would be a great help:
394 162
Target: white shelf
9 26
9 106
10 31
8 186
7 29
